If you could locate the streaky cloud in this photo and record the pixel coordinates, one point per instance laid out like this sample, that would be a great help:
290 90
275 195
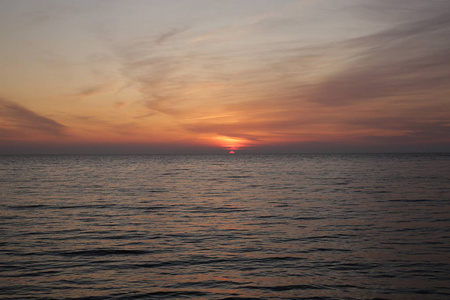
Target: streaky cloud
168 35
16 118
389 82
407 60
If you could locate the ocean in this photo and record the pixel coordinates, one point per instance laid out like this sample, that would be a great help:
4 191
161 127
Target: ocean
306 226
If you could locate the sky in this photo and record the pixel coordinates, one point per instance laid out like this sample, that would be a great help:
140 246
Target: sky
210 76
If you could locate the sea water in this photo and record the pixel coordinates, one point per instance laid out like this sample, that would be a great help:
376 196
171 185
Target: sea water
318 226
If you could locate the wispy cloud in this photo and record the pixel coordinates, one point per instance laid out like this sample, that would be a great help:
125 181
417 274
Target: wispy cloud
16 118
90 91
407 60
104 87
168 35
394 82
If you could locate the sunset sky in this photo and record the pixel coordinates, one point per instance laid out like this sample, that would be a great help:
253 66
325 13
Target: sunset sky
208 76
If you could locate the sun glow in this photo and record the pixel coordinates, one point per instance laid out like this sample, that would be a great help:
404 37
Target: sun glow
231 144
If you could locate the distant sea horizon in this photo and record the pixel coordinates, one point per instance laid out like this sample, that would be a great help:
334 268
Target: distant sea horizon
225 152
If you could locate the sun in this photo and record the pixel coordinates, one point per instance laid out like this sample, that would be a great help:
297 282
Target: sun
231 152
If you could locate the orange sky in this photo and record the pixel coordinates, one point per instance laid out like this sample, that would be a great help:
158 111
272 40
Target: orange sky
211 76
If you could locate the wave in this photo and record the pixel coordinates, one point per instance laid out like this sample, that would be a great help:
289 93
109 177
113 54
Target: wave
103 252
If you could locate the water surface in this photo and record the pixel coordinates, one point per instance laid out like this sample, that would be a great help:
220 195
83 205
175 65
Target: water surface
225 227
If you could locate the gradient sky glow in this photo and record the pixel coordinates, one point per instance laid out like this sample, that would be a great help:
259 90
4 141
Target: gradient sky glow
145 76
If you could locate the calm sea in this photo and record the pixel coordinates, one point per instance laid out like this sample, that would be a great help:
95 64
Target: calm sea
225 227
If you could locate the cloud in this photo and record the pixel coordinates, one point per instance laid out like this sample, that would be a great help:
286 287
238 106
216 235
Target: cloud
168 35
389 83
121 104
15 119
90 91
97 89
407 60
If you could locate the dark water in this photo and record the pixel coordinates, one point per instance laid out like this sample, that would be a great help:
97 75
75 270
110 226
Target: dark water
225 227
